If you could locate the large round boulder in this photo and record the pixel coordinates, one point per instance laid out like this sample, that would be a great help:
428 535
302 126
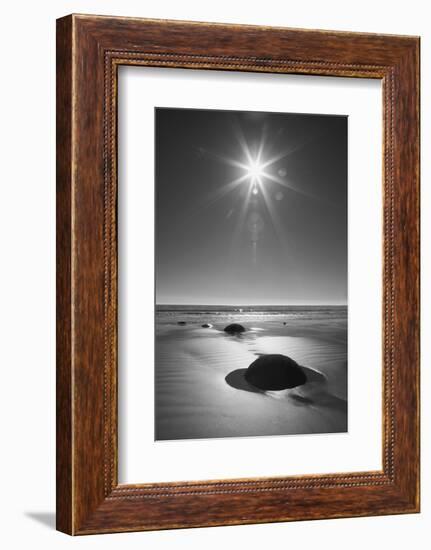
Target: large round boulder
275 372
234 328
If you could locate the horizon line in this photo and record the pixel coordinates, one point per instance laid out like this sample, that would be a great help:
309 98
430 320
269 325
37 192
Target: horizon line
250 305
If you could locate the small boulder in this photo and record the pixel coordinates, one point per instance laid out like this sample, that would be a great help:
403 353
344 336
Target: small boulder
182 323
275 372
234 328
206 325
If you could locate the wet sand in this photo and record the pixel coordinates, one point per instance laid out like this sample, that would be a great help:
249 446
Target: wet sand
200 390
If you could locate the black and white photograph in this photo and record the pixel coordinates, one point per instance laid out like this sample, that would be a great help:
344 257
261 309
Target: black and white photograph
251 274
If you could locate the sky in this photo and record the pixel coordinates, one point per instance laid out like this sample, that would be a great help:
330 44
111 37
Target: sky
251 208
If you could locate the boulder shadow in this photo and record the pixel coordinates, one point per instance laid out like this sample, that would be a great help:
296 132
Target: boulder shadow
313 392
315 384
236 379
314 376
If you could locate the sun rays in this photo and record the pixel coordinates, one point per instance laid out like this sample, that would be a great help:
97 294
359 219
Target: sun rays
256 174
260 179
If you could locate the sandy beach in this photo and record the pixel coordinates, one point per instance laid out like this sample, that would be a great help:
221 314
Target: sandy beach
200 391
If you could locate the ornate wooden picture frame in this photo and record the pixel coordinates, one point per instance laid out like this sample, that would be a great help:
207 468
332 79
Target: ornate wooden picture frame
89 51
